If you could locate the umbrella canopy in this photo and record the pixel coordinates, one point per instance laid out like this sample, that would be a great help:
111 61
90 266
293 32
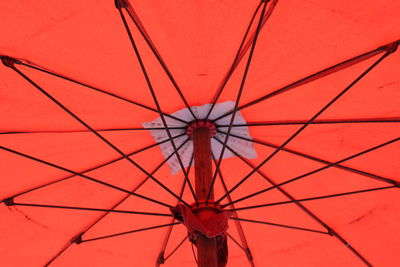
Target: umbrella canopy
315 93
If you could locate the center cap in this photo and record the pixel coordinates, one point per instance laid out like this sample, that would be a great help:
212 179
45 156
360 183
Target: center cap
201 124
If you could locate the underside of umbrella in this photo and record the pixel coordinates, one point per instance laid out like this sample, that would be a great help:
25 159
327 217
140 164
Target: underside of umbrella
209 133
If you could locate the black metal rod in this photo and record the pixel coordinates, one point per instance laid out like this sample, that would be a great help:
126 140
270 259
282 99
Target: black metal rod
96 89
318 170
105 140
364 173
281 225
313 198
155 52
161 259
240 91
155 99
89 209
234 64
97 130
318 75
239 226
299 122
293 136
128 232
176 248
89 170
236 242
84 176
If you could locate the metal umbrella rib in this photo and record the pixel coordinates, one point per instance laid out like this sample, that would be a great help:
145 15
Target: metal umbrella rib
320 169
148 82
240 91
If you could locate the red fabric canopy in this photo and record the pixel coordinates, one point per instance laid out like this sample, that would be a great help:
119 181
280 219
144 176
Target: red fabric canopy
306 54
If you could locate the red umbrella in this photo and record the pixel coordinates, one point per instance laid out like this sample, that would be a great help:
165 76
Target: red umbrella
288 109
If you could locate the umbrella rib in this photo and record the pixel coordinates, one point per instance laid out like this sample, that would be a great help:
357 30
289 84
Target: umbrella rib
91 225
106 141
93 88
307 211
161 259
243 51
151 89
281 225
314 198
297 122
293 136
318 75
240 91
239 226
234 63
127 232
320 169
90 169
84 176
364 173
176 248
236 242
10 202
97 130
143 32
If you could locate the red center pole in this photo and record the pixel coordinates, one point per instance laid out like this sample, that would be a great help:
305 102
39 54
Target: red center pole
206 247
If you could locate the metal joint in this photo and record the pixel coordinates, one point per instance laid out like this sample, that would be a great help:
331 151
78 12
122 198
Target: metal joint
119 4
331 232
248 254
9 201
8 61
161 259
77 239
391 48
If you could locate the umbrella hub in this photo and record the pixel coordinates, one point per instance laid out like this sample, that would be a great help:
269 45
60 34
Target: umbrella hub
203 207
201 124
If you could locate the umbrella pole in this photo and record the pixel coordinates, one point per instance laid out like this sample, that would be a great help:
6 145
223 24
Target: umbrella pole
206 247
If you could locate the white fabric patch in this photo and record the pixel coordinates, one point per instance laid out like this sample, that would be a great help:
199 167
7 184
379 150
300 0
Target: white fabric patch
242 147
